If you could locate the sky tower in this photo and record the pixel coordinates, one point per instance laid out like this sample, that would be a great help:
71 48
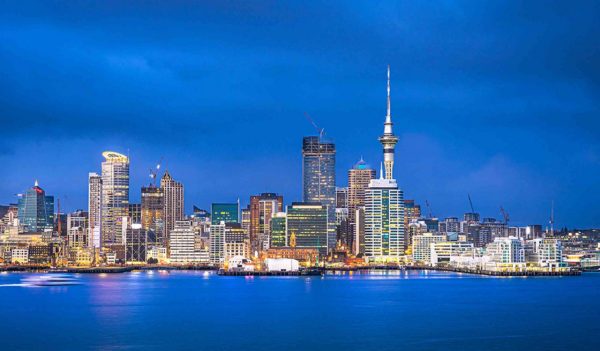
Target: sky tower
388 140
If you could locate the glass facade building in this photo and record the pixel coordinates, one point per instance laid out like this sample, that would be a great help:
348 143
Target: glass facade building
307 222
318 178
225 212
115 196
36 210
278 232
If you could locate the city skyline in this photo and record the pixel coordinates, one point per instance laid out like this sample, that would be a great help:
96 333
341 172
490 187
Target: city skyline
518 143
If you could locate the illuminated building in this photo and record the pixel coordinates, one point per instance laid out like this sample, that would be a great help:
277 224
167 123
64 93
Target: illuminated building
225 212
341 197
115 196
217 244
173 200
308 223
278 237
183 245
318 178
152 213
135 244
36 210
358 181
412 212
384 221
236 241
135 213
94 209
421 246
443 251
77 229
262 208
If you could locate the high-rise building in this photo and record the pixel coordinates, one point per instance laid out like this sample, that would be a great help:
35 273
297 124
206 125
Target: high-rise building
245 220
115 196
153 214
307 225
384 221
262 208
318 179
236 241
388 140
135 213
358 181
225 212
173 197
278 230
36 210
412 212
94 210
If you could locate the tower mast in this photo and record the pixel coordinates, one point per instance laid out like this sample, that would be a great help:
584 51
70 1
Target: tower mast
388 140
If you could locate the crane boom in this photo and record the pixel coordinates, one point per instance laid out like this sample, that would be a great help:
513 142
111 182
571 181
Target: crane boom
471 203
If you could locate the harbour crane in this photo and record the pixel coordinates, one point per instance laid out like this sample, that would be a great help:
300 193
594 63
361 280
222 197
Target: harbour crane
471 203
428 209
154 172
506 218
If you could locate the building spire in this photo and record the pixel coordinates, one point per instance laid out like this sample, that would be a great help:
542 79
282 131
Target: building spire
388 116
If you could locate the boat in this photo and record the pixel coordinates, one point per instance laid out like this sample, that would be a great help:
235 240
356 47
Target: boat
51 280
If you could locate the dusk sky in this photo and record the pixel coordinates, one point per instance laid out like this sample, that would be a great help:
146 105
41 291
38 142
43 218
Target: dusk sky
496 99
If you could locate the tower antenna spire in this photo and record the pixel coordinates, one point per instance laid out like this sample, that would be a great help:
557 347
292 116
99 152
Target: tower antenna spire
388 117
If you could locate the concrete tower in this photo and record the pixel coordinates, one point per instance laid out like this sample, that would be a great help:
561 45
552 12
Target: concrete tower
388 140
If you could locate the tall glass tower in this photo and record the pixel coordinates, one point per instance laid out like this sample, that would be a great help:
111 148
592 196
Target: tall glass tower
115 196
318 179
36 210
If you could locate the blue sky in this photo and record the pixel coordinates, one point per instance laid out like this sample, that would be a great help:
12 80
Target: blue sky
497 99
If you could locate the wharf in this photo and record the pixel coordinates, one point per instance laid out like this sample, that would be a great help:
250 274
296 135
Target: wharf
302 273
498 273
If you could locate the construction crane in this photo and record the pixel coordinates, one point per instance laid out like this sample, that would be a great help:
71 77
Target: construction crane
471 203
506 219
320 131
154 172
552 219
428 209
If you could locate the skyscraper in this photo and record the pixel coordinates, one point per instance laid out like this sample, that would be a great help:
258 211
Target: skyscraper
358 181
278 231
318 178
384 221
94 209
262 208
36 210
153 212
173 196
115 196
388 140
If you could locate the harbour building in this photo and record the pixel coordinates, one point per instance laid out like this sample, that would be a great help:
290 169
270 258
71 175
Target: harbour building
94 209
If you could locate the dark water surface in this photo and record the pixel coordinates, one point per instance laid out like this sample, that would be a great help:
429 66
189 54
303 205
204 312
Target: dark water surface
385 311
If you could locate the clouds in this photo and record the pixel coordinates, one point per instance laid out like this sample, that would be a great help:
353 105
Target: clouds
478 89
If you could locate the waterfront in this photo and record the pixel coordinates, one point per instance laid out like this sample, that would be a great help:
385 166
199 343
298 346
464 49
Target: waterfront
415 310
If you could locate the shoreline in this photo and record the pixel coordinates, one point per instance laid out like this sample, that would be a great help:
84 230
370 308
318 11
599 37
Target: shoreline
306 272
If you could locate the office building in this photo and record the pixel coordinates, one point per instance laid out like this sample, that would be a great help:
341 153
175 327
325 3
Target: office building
307 225
262 208
278 230
152 215
358 181
35 210
182 244
115 197
421 246
173 199
341 197
77 229
318 178
94 210
135 243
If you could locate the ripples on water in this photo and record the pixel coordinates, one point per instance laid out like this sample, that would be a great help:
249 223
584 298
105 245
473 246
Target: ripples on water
378 310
